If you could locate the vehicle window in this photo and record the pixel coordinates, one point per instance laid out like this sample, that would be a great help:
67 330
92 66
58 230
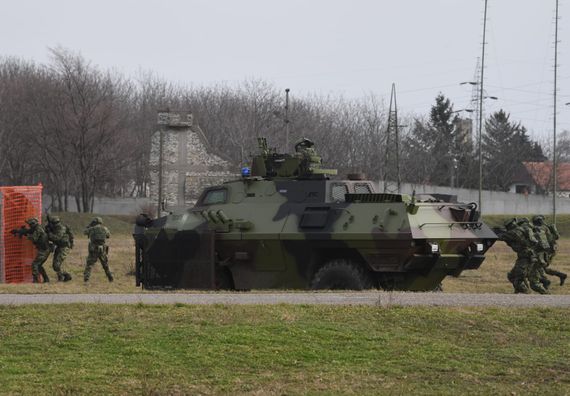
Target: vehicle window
362 188
338 191
215 197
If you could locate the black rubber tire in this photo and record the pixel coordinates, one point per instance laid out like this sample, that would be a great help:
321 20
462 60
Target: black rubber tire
341 274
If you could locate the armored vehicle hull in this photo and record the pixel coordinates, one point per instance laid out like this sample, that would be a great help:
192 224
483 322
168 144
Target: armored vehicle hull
263 232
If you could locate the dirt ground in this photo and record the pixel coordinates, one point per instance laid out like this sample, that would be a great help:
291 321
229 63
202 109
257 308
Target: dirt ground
490 278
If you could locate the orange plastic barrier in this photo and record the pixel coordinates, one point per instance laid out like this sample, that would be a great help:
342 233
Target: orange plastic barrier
17 204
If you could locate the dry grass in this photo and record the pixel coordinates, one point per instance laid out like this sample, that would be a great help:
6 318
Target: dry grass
490 278
121 262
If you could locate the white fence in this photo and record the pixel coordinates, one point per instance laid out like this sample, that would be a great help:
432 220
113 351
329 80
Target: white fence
495 202
105 205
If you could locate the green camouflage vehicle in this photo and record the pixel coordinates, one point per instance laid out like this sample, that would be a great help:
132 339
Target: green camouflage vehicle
285 224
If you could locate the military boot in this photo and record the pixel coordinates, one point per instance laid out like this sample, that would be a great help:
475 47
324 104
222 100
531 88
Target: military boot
563 279
110 277
66 277
521 288
60 277
545 282
539 289
44 275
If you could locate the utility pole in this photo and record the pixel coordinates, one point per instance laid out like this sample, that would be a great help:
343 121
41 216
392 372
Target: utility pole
392 180
286 119
160 170
480 125
554 162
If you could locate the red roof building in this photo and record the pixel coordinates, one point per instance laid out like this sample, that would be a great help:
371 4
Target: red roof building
536 178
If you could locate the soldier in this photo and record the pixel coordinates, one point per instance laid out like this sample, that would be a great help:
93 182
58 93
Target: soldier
39 238
534 248
548 235
98 250
62 238
305 150
520 238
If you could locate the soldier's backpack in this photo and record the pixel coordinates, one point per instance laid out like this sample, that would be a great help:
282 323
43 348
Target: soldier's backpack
98 235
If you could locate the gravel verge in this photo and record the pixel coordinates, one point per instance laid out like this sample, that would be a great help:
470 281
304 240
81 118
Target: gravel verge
384 299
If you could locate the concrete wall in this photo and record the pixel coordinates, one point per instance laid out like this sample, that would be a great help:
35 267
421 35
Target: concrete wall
107 206
494 202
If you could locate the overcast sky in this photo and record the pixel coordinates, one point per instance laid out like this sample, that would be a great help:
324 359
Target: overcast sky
352 48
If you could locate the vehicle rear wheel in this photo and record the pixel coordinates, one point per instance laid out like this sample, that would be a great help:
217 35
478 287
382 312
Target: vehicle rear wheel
341 274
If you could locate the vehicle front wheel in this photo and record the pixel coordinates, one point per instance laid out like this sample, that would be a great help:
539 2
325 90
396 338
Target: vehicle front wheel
341 274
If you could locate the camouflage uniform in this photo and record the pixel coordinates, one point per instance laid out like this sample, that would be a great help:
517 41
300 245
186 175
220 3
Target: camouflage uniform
39 238
521 240
62 238
98 250
548 235
534 271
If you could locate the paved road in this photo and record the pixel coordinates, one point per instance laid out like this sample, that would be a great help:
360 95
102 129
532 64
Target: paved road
345 298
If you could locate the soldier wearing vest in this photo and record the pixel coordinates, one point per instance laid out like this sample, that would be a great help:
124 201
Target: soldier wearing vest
62 238
548 235
98 249
37 234
521 241
534 246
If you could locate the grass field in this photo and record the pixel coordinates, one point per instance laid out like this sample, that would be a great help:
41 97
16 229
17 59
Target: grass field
279 349
490 278
153 350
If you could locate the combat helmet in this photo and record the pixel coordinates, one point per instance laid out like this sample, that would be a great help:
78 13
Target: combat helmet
303 143
511 223
97 220
53 219
523 220
32 222
538 219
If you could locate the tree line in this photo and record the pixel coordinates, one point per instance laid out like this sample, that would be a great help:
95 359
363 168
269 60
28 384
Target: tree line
85 132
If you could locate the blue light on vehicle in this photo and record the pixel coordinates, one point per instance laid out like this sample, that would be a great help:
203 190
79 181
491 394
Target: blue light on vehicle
245 171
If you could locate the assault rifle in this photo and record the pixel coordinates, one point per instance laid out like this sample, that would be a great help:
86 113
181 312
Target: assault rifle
20 232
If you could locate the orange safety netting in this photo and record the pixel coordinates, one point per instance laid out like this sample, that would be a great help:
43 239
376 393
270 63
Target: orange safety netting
17 204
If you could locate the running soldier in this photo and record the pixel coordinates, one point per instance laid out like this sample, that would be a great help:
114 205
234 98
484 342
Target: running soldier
98 249
37 234
547 235
62 238
534 247
521 240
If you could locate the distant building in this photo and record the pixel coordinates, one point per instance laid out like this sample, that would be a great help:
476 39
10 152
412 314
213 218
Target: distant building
189 163
464 130
536 178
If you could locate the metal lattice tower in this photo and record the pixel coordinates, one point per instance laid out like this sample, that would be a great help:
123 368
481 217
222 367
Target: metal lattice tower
391 169
475 95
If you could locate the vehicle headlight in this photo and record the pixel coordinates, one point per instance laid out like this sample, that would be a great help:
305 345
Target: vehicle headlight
434 247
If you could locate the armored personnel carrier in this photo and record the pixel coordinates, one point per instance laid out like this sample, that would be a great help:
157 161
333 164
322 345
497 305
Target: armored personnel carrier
287 224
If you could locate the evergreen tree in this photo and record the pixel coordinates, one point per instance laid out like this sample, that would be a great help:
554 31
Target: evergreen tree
439 152
506 146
